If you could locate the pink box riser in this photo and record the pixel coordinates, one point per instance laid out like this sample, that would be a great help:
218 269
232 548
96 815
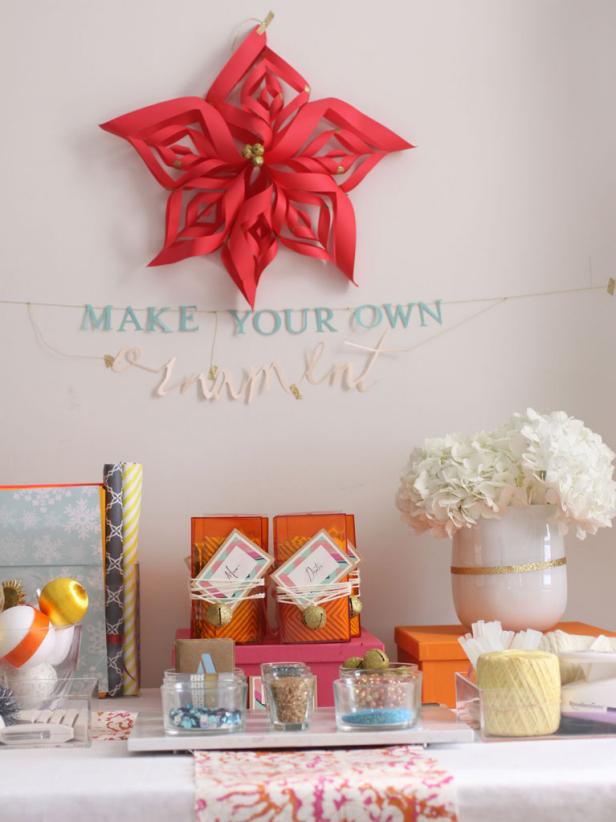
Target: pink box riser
324 658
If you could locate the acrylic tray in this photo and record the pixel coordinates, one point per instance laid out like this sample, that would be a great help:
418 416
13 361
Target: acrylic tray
67 703
436 726
572 726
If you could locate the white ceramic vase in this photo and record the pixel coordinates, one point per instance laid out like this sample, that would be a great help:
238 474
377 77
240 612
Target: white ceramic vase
530 589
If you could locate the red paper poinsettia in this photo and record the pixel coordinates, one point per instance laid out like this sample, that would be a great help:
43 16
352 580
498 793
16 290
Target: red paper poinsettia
255 164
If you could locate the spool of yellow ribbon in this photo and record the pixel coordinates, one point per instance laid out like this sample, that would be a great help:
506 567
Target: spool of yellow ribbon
65 601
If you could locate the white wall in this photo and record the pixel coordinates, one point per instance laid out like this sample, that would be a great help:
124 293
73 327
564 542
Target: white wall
512 188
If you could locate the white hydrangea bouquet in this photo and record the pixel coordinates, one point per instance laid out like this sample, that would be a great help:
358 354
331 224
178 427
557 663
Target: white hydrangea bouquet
534 459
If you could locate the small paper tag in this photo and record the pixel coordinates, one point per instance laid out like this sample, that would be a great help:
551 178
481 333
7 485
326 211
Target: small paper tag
190 653
206 666
352 551
355 574
256 700
611 286
319 562
237 560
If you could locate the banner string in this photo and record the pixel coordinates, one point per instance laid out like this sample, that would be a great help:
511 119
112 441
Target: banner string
493 302
42 342
432 337
610 285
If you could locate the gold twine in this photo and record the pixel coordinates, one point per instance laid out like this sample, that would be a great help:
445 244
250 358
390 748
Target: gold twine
480 570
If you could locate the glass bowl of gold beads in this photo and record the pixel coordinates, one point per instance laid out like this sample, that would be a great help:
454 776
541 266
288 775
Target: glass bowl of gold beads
378 699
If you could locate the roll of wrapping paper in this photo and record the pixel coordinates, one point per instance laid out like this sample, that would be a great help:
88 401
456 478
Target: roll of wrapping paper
114 577
132 480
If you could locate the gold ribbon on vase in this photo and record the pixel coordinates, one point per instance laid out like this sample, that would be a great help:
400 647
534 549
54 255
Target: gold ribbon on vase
480 570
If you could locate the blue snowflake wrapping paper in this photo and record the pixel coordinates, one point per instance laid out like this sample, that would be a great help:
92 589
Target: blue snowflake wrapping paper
49 532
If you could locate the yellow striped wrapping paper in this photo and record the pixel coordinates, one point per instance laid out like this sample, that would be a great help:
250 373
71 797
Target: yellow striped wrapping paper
132 481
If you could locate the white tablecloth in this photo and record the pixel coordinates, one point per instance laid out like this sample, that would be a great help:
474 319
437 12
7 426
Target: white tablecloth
497 782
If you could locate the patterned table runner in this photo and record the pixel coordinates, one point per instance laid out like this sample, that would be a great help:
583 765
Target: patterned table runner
111 726
375 784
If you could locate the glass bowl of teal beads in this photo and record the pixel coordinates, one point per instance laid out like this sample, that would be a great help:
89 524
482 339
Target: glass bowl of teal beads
204 703
378 700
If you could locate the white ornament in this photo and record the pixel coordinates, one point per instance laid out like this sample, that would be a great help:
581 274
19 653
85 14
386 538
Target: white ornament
62 645
32 685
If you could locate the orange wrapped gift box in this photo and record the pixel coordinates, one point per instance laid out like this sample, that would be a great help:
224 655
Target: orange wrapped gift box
207 535
291 533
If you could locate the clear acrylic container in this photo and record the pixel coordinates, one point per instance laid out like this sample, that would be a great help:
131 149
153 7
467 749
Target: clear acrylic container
289 694
198 703
382 700
467 700
41 665
61 718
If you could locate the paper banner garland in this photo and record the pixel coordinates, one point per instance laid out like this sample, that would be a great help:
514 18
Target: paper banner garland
132 477
114 576
255 164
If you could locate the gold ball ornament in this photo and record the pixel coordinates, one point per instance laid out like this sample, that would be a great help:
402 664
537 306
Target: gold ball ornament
257 160
64 601
258 150
218 615
247 152
352 663
314 617
355 606
375 660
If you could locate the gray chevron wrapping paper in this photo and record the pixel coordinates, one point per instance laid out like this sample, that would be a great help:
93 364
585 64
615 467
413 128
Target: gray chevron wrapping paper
114 599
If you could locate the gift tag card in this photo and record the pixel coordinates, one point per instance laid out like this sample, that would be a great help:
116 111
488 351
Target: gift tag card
355 575
256 700
238 560
352 551
319 562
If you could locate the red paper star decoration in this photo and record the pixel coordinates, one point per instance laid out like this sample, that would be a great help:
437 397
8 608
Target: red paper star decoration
256 164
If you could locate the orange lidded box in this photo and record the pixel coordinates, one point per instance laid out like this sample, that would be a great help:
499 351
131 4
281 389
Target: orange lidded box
292 532
207 535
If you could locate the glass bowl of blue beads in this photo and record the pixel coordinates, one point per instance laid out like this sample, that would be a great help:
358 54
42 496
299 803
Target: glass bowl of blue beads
386 699
204 703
